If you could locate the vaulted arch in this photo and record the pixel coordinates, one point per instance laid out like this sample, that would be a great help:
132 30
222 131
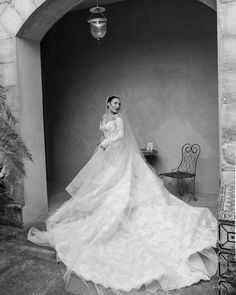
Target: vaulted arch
31 19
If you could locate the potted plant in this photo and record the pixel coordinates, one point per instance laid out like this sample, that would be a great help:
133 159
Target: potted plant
13 152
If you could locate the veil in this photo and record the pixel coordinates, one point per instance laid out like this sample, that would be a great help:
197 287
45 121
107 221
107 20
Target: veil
131 143
130 140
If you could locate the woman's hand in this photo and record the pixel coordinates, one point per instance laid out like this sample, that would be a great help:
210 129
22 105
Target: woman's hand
104 144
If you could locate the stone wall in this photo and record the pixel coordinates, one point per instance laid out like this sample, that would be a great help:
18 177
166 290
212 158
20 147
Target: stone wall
227 89
13 14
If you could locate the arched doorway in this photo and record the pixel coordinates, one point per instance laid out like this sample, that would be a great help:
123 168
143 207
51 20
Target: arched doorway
31 22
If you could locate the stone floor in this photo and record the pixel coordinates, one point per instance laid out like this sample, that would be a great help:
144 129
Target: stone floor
26 269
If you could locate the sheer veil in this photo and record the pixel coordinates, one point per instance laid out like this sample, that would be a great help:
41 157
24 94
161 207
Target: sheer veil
129 136
131 143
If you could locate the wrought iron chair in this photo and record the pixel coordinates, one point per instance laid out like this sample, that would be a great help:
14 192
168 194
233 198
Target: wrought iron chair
187 167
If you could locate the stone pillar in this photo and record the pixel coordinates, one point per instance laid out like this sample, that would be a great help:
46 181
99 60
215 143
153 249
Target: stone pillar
11 211
226 14
20 75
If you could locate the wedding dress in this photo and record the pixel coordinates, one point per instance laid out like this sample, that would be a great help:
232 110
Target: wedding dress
122 230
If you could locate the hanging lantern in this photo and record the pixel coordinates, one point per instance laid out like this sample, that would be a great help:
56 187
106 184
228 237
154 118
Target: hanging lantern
98 22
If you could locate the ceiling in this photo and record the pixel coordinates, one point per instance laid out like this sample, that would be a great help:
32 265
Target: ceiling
92 3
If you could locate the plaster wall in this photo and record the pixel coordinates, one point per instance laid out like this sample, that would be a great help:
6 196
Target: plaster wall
161 58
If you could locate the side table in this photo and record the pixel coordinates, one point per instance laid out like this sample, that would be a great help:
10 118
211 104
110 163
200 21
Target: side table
150 156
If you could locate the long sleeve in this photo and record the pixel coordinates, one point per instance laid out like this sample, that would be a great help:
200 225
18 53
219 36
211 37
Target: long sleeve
118 134
119 131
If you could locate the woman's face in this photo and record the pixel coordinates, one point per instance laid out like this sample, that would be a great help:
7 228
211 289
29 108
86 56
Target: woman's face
114 105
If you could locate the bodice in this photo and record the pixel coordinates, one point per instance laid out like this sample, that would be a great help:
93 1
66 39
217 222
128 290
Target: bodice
112 127
108 126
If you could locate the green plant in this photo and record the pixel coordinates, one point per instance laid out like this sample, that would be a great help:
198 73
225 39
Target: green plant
13 150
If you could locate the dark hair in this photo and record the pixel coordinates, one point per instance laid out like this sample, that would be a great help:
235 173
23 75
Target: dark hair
110 98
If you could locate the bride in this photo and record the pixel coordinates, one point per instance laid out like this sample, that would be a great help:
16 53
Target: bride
121 229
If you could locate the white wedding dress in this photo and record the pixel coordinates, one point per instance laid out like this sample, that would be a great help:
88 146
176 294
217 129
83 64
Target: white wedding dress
122 230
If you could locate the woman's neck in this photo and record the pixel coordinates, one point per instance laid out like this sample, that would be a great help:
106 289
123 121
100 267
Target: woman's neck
110 114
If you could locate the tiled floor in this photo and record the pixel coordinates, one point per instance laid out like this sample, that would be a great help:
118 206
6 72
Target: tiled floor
26 269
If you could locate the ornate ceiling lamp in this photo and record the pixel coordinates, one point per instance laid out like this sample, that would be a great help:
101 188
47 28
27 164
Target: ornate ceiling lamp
98 22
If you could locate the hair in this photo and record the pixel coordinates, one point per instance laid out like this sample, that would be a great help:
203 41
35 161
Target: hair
110 98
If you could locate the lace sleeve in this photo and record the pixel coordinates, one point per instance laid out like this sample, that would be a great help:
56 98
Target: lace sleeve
119 130
118 134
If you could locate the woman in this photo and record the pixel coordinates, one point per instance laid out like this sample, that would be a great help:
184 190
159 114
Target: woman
122 229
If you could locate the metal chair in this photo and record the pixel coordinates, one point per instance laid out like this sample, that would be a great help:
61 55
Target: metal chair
187 167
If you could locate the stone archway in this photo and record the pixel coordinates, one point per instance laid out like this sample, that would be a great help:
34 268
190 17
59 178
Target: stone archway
22 27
